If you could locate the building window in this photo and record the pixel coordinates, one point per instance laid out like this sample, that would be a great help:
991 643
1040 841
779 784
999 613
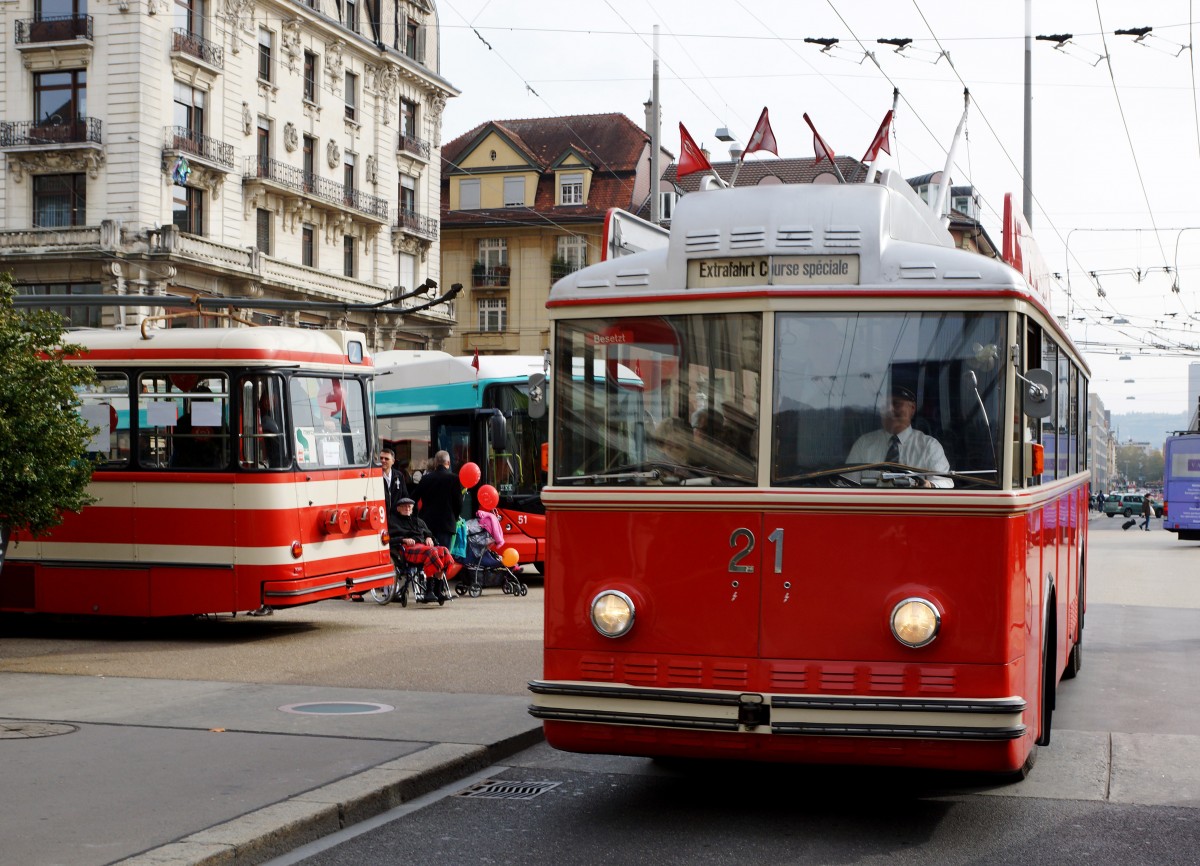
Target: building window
263 146
468 194
348 178
666 204
408 194
310 77
76 316
493 252
514 192
493 314
571 253
309 168
59 200
189 16
351 9
262 233
351 95
266 47
348 257
570 189
408 118
308 250
189 107
412 39
60 98
187 209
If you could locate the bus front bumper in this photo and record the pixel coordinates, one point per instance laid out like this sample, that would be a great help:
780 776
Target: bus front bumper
977 719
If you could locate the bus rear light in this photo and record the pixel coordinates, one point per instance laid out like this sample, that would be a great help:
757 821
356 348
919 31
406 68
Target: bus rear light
612 613
297 549
915 622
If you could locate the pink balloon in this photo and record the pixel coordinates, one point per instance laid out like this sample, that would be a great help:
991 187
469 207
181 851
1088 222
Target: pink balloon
468 475
488 497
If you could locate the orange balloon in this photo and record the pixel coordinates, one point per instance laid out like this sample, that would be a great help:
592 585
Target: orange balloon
468 475
488 497
510 557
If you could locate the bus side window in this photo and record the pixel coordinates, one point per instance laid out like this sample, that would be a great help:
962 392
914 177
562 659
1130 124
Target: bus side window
263 444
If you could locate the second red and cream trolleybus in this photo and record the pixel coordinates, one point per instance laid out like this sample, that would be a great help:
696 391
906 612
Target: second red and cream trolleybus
824 528
234 472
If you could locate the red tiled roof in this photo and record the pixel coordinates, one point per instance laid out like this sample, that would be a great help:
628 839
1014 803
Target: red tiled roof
611 143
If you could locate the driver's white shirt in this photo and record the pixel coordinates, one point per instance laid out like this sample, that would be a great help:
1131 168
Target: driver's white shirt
918 450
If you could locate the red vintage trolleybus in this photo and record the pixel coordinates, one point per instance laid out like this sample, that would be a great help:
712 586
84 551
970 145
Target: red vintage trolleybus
742 569
235 473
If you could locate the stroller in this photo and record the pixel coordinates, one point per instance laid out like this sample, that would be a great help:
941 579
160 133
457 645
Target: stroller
481 567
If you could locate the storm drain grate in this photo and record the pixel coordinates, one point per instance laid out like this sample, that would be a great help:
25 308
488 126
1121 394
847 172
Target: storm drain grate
502 789
14 730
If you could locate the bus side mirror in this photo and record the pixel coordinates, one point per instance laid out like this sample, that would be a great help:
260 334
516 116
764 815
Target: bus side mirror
1035 396
499 432
537 395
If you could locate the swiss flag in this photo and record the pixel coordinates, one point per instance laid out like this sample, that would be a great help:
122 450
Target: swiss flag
881 141
691 158
762 138
475 361
823 150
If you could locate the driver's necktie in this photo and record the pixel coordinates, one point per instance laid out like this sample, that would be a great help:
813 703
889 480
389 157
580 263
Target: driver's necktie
893 452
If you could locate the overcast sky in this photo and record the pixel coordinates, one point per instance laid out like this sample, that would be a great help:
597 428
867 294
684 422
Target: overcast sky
1116 141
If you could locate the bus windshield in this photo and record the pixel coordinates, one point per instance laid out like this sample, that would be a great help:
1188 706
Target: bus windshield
657 400
517 461
845 383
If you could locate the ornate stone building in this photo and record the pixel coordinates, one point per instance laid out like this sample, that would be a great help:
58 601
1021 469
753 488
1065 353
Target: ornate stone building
265 149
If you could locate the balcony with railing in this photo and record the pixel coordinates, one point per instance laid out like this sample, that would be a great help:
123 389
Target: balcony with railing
417 224
51 133
57 28
490 278
179 141
280 176
194 47
418 147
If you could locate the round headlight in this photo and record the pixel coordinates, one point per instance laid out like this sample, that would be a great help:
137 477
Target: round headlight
915 622
612 613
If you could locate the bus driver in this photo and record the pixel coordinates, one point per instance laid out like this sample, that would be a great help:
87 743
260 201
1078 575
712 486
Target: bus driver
898 442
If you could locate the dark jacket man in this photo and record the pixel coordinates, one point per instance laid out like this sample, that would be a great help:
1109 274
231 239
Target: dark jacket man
440 496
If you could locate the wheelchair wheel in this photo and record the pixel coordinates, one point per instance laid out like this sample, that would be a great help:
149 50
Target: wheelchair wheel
420 587
402 593
383 594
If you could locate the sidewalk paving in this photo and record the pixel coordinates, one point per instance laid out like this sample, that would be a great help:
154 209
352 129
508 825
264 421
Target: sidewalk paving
102 770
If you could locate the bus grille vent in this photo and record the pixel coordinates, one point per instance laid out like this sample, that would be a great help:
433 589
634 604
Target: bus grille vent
918 270
730 676
939 680
794 237
640 672
703 241
597 668
788 678
837 679
886 681
741 239
684 674
633 278
843 236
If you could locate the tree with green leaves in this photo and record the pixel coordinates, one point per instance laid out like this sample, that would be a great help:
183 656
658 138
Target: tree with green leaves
44 467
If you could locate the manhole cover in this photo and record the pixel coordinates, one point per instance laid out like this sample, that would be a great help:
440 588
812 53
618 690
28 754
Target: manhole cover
502 789
29 730
337 708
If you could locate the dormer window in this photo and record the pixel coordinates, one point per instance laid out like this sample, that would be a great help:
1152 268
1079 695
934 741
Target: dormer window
570 189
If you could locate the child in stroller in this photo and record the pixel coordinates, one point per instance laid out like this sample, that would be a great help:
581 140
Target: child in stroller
481 564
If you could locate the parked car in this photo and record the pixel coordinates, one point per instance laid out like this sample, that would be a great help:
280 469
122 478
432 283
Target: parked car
1129 504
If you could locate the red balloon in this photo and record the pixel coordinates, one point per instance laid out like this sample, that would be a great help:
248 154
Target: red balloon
468 475
488 497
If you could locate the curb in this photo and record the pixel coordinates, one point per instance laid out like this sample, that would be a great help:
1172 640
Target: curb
275 830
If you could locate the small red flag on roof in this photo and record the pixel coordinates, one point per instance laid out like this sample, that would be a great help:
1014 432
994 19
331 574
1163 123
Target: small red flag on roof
762 138
882 140
475 361
691 158
823 150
